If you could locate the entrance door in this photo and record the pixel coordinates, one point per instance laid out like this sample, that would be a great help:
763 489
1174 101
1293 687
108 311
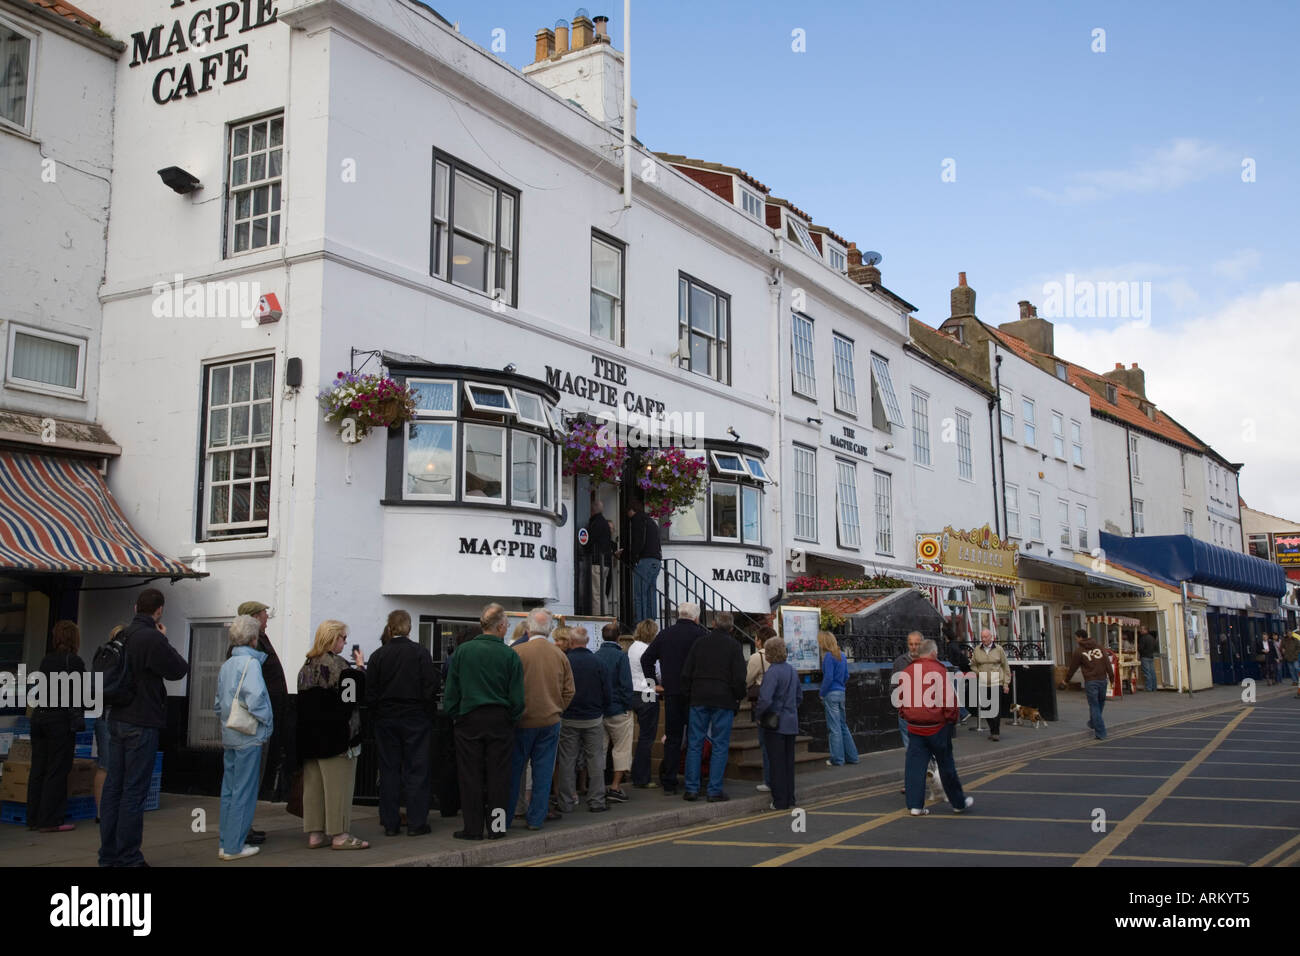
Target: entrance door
1064 643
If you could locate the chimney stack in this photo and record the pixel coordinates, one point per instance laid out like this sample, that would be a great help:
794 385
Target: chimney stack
1132 378
962 299
582 32
1024 308
859 273
561 37
1039 334
545 45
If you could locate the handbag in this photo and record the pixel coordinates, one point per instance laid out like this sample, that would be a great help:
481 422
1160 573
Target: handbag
771 719
240 719
295 794
751 692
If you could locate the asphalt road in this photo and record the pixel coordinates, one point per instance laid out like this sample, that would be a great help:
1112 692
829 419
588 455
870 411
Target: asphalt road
1212 791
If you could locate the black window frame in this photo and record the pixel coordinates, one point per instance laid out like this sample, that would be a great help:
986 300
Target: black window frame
684 324
201 532
455 165
599 236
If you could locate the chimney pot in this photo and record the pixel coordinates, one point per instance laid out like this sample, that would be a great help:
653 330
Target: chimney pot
961 278
602 27
962 298
1134 365
1025 308
561 37
1120 366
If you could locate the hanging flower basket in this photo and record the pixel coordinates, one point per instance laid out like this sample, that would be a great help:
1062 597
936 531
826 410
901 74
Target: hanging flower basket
671 481
591 451
367 401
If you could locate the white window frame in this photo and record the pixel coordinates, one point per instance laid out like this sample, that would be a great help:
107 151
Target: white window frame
921 427
838 260
1139 516
1133 453
740 471
713 535
1058 435
273 215
805 493
756 470
884 508
1076 428
750 490
1034 502
492 409
1063 519
29 89
884 385
464 465
1007 406
803 355
1012 508
253 527
965 449
1081 520
848 517
1061 372
427 419
436 412
46 388
501 248
540 421
1182 464
1189 522
706 498
747 198
845 375
1030 415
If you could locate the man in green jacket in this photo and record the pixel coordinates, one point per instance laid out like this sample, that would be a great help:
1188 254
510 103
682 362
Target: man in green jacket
485 696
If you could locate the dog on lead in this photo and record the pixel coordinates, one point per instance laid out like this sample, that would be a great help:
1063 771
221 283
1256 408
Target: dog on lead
1027 715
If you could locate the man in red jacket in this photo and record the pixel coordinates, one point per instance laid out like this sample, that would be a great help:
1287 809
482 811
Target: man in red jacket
927 701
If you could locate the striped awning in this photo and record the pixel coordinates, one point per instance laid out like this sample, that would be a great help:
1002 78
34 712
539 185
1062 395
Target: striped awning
58 517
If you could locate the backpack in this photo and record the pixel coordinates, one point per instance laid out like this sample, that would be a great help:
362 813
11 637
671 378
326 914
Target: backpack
111 661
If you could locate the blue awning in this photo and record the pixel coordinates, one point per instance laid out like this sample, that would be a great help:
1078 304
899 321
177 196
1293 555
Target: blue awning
1175 558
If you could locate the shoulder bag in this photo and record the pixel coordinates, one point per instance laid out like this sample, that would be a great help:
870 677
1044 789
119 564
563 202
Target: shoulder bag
240 719
771 719
752 691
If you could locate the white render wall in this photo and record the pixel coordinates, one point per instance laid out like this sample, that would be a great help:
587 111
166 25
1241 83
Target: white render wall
56 188
1054 479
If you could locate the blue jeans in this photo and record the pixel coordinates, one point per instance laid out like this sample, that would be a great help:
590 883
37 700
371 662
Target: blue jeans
645 578
535 746
238 794
919 752
843 750
1096 691
902 731
1149 672
715 723
121 813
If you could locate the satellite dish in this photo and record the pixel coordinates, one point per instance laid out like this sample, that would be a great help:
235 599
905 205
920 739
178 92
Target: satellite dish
871 258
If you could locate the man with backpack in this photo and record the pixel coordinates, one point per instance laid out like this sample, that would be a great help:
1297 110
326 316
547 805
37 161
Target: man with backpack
138 714
108 662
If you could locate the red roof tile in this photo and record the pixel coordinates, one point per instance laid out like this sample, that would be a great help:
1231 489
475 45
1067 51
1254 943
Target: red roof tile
68 11
1128 404
843 606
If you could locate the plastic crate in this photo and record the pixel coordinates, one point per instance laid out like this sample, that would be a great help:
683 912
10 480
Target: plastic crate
13 812
83 751
157 763
22 727
80 808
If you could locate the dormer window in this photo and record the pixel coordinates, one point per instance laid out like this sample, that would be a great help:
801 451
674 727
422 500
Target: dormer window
1060 371
837 260
1149 410
752 203
1112 394
799 233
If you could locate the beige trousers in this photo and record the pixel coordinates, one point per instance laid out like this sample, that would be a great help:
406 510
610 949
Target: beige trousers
327 787
618 736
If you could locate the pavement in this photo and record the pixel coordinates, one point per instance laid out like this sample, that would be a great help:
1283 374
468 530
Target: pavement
183 831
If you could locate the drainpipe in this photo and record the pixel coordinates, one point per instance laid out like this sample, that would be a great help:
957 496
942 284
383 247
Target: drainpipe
1002 453
993 466
777 282
627 104
1187 646
1128 457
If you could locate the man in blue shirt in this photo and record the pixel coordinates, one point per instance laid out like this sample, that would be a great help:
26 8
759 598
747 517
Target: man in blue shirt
582 725
618 716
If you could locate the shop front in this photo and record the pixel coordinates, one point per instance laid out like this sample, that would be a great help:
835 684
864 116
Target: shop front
1231 600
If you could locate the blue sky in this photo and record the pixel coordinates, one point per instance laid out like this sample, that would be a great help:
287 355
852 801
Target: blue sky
1123 165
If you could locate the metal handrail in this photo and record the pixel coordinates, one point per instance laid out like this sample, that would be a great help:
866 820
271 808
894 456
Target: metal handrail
680 584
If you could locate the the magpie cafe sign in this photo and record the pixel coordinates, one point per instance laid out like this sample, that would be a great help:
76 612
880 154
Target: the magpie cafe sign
844 438
753 573
196 27
607 384
506 548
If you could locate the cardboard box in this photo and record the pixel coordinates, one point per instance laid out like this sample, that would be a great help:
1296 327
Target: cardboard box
13 781
81 779
20 750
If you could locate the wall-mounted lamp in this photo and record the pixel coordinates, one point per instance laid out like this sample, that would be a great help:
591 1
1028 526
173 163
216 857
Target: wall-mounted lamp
814 421
1044 454
510 368
731 430
886 447
179 180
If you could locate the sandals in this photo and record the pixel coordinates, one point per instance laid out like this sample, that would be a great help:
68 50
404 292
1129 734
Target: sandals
352 843
61 828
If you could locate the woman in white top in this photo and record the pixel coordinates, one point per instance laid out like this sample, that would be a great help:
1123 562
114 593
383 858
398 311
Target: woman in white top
754 671
645 704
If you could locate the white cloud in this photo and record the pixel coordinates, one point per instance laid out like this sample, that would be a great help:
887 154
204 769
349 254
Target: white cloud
1238 264
1230 377
1169 167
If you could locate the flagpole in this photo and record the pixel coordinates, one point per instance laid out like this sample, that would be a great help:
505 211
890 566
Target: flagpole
627 104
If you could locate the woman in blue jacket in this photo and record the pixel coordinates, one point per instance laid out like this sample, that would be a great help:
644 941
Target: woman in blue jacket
241 676
779 694
835 675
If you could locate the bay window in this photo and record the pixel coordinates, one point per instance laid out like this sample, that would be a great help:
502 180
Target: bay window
730 509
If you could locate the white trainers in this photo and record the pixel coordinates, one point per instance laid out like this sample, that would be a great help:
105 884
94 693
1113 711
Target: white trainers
247 851
920 813
763 788
970 802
